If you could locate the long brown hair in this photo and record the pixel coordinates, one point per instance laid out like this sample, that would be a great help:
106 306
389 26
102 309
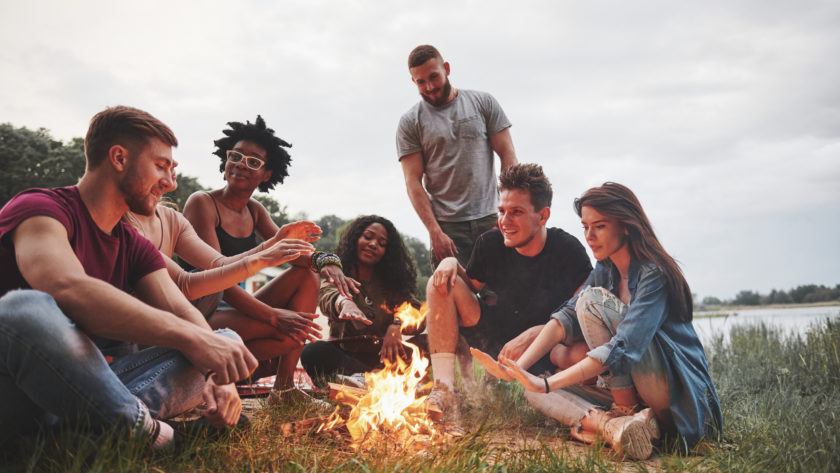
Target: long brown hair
395 269
617 201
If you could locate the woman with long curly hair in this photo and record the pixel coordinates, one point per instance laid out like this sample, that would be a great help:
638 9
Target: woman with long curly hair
363 330
634 314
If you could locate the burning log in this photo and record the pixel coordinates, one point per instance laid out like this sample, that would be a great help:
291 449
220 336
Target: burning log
304 426
351 396
346 394
388 408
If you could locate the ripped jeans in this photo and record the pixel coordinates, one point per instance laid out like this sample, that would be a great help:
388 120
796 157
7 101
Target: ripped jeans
599 312
51 371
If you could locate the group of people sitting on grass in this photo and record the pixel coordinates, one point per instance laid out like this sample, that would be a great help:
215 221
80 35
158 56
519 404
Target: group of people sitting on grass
98 324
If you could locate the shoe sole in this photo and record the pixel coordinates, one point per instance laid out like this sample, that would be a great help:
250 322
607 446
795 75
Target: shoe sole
646 416
635 440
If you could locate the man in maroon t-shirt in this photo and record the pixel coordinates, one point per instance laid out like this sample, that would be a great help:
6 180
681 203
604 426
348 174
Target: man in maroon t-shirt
67 263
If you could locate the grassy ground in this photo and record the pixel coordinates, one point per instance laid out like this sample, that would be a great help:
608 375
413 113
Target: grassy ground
780 396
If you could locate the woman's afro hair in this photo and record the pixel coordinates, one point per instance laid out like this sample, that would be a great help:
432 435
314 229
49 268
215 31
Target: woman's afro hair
278 158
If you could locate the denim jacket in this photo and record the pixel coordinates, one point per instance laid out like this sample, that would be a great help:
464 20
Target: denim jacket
695 408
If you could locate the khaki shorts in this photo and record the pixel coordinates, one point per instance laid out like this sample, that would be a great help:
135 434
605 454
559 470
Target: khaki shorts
464 235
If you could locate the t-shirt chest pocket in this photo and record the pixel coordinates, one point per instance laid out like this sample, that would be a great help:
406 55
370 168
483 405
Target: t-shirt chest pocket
471 128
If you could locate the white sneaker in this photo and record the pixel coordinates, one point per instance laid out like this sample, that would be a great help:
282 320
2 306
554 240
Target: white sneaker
629 436
444 400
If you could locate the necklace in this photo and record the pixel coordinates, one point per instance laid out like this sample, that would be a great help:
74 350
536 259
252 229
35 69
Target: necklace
367 299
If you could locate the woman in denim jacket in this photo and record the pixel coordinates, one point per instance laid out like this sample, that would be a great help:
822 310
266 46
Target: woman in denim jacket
634 314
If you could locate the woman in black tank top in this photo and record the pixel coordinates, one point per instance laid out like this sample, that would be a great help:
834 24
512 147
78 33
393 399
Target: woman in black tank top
279 317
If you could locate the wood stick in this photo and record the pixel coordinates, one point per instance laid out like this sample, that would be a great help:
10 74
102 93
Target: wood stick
346 394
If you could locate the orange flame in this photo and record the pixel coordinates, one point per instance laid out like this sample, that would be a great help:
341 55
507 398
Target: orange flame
411 318
390 404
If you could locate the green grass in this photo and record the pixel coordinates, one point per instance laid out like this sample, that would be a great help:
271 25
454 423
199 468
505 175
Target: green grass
780 397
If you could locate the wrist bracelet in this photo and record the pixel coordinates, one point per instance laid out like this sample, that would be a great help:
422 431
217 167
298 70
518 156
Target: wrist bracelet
328 258
545 379
313 261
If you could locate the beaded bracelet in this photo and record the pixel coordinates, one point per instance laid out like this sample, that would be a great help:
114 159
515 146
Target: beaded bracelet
313 261
320 259
328 258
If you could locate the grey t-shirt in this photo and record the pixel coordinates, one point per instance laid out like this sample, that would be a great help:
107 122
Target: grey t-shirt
457 158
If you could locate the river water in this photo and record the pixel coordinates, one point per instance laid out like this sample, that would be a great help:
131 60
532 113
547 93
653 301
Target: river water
792 320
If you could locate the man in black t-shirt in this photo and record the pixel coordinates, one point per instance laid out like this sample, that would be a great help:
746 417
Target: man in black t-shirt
531 269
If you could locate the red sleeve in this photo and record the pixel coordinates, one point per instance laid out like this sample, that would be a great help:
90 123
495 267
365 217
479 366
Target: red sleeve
32 203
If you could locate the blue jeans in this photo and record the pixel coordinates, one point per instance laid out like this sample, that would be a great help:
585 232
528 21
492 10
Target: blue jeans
50 371
599 312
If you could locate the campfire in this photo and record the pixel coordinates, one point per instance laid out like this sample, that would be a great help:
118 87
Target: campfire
389 407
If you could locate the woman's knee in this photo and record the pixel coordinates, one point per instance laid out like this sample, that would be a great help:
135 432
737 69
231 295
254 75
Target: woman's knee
304 278
588 297
597 304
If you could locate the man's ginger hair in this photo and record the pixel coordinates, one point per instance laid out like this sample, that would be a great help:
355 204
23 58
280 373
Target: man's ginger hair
125 126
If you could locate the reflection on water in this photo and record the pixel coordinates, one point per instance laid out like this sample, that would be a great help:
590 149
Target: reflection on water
789 320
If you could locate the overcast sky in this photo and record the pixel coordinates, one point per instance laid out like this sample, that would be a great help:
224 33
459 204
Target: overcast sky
723 117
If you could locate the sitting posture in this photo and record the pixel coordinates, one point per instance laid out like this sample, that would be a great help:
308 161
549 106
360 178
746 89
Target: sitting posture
532 270
277 321
635 317
363 330
68 265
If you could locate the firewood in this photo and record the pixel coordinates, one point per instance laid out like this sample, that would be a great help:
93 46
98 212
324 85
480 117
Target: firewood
302 426
434 413
346 394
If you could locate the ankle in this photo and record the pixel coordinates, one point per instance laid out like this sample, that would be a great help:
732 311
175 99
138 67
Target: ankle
443 367
163 435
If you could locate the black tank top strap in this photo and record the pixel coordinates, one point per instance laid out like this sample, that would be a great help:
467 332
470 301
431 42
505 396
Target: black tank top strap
231 245
216 206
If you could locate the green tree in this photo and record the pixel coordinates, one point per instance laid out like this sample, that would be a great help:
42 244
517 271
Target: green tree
799 293
331 228
277 212
420 253
35 159
779 297
187 185
747 298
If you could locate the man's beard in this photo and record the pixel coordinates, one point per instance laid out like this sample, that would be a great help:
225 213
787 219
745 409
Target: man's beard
527 240
139 200
444 96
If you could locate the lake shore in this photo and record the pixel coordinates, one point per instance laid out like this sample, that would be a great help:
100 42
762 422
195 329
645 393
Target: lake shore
729 308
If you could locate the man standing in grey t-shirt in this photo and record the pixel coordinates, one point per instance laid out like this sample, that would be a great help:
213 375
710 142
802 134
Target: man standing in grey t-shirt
446 142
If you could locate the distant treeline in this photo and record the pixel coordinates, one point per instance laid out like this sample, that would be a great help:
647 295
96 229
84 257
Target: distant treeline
806 294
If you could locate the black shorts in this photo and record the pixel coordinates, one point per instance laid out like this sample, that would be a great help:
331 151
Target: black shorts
489 336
